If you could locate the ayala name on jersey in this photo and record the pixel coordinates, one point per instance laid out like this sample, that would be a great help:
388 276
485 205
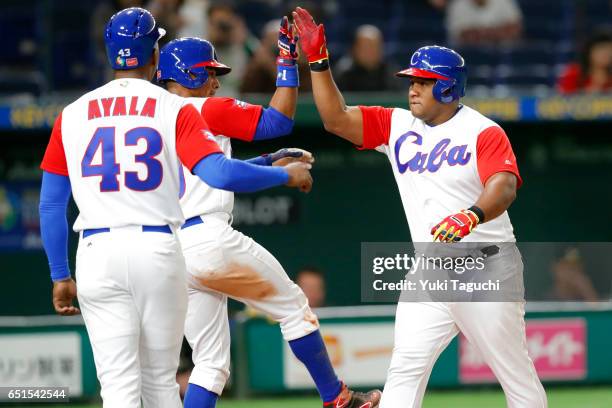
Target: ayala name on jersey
119 145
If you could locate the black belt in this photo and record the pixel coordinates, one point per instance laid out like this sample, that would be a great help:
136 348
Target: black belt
145 228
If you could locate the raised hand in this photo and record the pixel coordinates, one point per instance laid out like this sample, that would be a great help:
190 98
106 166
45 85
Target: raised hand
311 36
286 64
287 44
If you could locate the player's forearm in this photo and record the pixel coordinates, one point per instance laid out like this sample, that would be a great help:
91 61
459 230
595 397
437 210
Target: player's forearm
339 119
238 176
329 101
54 195
498 195
346 122
277 120
284 101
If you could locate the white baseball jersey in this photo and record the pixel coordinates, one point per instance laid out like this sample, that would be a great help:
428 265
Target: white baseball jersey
119 145
441 170
227 118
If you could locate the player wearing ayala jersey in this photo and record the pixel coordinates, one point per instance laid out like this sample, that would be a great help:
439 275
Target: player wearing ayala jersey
221 261
457 176
116 149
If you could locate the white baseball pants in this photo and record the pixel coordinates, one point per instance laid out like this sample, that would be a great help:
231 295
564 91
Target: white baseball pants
222 263
133 296
496 329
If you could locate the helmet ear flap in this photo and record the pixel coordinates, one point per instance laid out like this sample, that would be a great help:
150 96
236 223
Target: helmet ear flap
444 91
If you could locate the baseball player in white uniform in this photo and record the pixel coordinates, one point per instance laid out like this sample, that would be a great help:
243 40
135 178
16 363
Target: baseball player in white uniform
221 261
117 149
457 176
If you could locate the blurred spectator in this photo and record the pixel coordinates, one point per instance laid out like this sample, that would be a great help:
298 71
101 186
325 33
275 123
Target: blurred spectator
233 43
193 15
100 16
475 22
312 282
571 282
365 70
319 10
594 72
260 74
166 13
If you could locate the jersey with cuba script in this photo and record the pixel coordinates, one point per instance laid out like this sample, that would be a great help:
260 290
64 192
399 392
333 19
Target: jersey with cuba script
442 169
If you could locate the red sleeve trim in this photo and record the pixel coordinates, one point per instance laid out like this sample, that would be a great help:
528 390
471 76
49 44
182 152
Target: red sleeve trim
494 155
231 117
193 139
376 126
54 160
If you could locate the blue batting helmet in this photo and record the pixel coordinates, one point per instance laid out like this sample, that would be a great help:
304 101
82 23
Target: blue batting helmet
130 37
185 61
444 65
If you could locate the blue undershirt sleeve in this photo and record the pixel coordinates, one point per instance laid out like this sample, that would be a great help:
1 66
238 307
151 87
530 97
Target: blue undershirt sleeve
238 176
54 195
272 124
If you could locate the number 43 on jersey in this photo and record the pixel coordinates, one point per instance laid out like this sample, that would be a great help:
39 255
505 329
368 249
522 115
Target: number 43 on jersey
103 141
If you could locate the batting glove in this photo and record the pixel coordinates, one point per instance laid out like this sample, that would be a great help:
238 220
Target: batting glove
312 36
287 44
286 68
285 156
454 227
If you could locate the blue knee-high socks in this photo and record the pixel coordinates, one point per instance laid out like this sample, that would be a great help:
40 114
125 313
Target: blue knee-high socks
199 397
311 351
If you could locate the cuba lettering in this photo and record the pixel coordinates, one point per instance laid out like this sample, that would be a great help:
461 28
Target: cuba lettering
432 161
109 170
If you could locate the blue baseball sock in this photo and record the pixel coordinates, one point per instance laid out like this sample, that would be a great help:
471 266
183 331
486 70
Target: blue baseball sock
199 397
311 351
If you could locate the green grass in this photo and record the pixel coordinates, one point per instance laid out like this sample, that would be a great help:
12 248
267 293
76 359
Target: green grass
592 397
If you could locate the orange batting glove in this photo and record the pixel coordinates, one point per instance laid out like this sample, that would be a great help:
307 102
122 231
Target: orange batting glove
311 36
454 227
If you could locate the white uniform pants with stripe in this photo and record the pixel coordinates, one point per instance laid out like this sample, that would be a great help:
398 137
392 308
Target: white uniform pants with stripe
222 263
133 296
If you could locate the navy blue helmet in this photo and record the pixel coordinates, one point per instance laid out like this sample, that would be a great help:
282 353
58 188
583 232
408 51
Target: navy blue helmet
444 65
186 61
130 38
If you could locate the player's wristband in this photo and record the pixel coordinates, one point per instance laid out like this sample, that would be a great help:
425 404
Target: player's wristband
287 76
479 213
319 66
